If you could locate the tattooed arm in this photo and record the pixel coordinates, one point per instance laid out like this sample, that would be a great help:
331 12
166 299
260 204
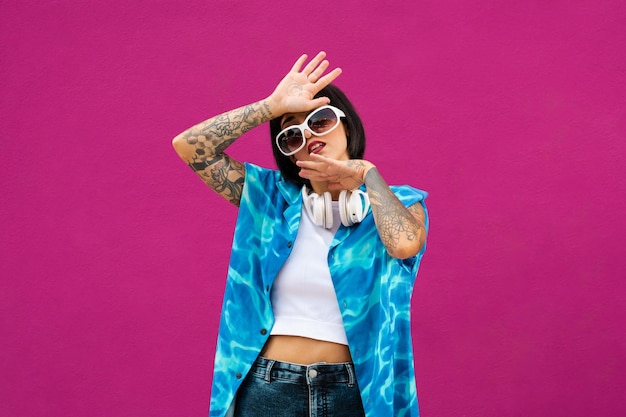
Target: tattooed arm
400 228
202 146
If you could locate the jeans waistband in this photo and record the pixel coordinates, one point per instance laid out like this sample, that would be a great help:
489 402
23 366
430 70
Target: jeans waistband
315 374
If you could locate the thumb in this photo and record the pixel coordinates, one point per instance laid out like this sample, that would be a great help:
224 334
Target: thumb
320 101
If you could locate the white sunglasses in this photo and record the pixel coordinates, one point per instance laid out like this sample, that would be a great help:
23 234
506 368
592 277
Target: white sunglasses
319 122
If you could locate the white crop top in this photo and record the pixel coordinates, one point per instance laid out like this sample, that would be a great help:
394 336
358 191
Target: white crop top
303 296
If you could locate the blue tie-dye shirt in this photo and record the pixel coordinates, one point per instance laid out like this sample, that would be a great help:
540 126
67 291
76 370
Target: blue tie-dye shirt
373 289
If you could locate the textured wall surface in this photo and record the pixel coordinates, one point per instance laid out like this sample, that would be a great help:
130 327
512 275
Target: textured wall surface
512 115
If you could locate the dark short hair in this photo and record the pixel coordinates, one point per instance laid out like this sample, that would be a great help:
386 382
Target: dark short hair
352 123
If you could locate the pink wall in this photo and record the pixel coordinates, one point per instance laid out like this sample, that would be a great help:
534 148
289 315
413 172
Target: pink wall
511 114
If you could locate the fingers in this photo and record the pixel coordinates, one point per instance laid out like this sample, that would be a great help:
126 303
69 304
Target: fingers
328 78
321 83
319 102
348 174
315 68
319 168
317 72
296 67
313 64
313 170
312 175
334 181
312 166
317 161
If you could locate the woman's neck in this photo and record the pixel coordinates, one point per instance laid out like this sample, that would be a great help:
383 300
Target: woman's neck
322 187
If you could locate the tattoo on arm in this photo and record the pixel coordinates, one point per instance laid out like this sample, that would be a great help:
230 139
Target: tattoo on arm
225 176
393 220
356 164
215 135
211 138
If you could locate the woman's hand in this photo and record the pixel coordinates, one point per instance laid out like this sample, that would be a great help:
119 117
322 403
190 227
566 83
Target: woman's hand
340 175
296 90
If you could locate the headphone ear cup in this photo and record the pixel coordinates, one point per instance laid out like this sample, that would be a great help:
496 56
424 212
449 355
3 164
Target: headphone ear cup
319 208
327 210
309 201
343 212
358 206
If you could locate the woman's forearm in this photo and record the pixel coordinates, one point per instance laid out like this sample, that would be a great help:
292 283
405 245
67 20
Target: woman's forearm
201 144
401 229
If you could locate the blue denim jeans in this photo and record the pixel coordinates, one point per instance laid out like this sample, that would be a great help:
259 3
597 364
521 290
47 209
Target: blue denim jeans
281 389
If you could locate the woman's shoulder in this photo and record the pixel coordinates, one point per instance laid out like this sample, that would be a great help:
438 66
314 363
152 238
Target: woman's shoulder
267 181
256 171
408 194
259 176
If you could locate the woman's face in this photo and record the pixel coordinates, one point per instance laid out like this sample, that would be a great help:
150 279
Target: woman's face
331 145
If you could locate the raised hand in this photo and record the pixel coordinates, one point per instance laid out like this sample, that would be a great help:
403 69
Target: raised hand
296 90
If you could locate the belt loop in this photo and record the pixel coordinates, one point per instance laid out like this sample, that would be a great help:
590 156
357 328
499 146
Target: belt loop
268 371
351 376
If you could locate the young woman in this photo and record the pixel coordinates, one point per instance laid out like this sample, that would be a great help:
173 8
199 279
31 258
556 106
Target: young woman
316 317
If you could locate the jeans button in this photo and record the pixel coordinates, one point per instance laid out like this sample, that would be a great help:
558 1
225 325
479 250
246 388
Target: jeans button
312 373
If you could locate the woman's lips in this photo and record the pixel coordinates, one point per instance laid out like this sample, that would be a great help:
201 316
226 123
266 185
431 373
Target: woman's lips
316 147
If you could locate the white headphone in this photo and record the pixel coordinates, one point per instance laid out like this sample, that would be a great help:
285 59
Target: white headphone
353 207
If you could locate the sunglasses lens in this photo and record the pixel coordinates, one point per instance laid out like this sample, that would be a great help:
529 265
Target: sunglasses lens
322 121
290 140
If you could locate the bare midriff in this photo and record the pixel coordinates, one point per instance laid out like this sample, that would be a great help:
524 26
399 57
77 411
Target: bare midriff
304 351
